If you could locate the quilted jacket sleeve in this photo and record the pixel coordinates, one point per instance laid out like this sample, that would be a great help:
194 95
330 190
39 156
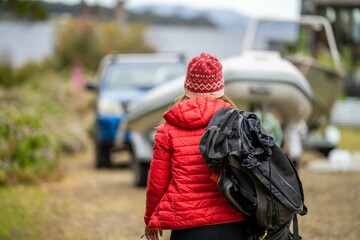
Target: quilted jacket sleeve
159 174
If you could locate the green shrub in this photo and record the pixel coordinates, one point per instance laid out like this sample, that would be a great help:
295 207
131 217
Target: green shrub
75 44
26 152
6 73
13 77
37 124
84 42
28 71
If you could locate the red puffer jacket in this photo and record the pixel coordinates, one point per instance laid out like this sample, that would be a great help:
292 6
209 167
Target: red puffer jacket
180 192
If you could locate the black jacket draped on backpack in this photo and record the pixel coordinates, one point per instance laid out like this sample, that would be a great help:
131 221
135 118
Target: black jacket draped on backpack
255 175
228 135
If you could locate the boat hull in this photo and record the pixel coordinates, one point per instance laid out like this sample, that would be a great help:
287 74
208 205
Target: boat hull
327 85
271 82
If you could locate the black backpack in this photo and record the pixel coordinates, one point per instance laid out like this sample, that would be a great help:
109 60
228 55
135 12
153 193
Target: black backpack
254 174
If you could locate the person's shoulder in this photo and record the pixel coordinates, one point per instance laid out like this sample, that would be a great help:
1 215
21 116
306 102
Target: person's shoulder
163 127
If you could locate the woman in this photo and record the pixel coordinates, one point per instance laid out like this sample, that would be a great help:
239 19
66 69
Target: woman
181 194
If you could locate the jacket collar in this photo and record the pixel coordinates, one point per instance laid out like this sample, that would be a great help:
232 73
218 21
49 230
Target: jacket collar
194 112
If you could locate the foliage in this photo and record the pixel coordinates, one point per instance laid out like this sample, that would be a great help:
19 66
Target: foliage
30 10
11 76
350 138
85 41
304 46
36 124
24 214
150 17
6 74
347 61
73 9
26 152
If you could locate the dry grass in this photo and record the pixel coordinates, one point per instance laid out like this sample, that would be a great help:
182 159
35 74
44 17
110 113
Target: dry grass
104 205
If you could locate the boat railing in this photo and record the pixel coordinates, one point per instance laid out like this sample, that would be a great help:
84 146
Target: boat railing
316 22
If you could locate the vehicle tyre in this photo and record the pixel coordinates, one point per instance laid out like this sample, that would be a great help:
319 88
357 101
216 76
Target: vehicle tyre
325 150
140 171
103 155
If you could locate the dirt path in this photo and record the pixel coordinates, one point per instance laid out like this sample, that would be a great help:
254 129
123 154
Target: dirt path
97 204
104 205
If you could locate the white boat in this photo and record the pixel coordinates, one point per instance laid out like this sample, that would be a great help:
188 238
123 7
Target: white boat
253 78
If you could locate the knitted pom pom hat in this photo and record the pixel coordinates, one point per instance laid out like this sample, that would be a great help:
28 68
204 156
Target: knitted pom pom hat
204 77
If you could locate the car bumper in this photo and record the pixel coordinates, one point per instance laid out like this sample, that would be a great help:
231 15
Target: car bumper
108 126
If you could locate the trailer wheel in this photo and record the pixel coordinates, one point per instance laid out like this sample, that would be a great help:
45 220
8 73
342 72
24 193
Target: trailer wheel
140 171
326 150
102 155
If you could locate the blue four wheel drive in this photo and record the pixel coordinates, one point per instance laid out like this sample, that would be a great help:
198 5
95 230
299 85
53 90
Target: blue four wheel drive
121 78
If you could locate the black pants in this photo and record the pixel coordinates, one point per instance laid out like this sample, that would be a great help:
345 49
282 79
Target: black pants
228 231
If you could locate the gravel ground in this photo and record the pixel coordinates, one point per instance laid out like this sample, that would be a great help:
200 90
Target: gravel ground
104 205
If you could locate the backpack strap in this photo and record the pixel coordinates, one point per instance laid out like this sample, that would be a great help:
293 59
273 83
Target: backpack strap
270 209
296 228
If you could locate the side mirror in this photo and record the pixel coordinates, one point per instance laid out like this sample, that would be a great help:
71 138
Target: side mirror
91 86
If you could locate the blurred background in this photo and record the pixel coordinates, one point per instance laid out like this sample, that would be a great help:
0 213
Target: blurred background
52 52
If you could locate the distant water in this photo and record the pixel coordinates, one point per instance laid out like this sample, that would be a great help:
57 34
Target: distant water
22 41
192 41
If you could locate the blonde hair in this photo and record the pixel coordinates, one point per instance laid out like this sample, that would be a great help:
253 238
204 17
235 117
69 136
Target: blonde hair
183 98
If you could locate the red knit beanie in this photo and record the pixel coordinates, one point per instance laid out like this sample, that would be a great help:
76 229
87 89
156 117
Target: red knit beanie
204 77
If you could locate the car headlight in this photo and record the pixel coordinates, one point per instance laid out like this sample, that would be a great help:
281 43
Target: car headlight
106 107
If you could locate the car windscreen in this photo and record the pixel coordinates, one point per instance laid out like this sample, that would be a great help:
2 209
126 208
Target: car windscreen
141 75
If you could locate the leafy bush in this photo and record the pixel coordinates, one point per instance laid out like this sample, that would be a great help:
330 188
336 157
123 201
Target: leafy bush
6 73
84 42
12 77
30 10
37 124
26 152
